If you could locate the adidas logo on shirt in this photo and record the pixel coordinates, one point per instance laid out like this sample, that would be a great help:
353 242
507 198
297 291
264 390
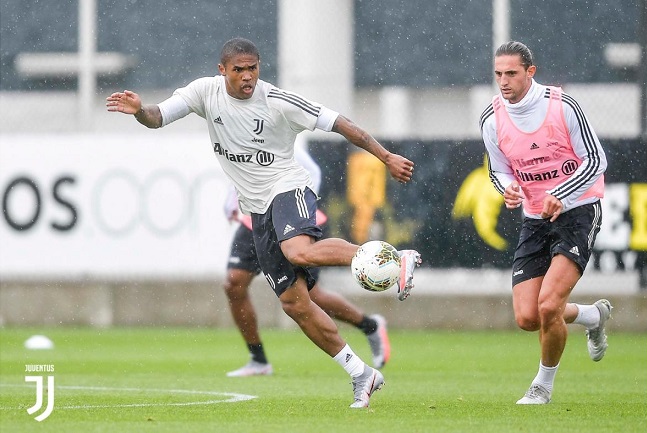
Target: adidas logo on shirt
288 228
534 146
575 251
218 120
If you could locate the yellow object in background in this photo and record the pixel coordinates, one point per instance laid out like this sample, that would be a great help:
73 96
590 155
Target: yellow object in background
366 192
638 206
478 199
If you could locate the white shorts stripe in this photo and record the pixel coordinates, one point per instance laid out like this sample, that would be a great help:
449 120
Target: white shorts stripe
597 214
301 203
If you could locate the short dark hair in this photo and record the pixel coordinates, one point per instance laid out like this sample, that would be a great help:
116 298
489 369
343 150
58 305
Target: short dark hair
514 48
237 46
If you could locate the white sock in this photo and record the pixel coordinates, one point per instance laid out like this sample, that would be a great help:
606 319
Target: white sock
546 376
587 315
351 362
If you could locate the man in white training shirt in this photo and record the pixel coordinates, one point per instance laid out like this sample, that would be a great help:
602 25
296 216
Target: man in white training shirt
253 125
545 157
242 268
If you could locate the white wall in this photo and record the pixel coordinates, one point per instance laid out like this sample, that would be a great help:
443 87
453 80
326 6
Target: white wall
433 113
148 205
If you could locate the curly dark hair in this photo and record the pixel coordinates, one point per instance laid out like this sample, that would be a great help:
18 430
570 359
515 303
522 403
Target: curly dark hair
236 46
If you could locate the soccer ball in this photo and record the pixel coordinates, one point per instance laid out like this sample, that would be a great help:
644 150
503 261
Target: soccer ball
376 266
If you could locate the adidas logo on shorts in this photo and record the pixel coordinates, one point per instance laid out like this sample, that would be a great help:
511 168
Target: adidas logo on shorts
575 250
288 228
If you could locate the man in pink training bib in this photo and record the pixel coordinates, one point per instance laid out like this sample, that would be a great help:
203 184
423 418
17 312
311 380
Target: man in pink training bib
545 157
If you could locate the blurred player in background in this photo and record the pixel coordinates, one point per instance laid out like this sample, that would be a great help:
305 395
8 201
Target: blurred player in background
243 267
545 157
253 125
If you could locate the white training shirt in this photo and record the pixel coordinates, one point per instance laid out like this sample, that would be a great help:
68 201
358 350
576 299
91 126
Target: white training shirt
528 115
253 138
302 156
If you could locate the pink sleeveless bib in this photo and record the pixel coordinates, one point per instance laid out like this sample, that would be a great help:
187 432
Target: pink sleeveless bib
541 159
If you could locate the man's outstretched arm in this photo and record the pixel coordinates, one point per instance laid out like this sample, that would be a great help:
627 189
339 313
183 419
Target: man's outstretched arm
401 168
128 102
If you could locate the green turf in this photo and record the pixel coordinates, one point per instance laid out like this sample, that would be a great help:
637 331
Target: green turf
435 382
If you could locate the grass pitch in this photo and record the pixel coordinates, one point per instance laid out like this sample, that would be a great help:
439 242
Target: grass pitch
173 380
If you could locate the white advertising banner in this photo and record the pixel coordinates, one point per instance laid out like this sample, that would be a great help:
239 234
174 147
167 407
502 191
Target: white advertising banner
112 206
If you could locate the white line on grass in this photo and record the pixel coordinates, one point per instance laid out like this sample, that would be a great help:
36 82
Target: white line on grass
231 397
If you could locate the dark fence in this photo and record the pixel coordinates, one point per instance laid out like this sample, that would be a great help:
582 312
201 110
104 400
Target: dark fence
451 213
414 43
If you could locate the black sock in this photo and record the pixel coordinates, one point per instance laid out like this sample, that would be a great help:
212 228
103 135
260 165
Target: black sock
367 325
257 352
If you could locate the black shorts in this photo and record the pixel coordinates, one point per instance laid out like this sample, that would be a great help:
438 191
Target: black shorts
243 253
572 235
291 214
